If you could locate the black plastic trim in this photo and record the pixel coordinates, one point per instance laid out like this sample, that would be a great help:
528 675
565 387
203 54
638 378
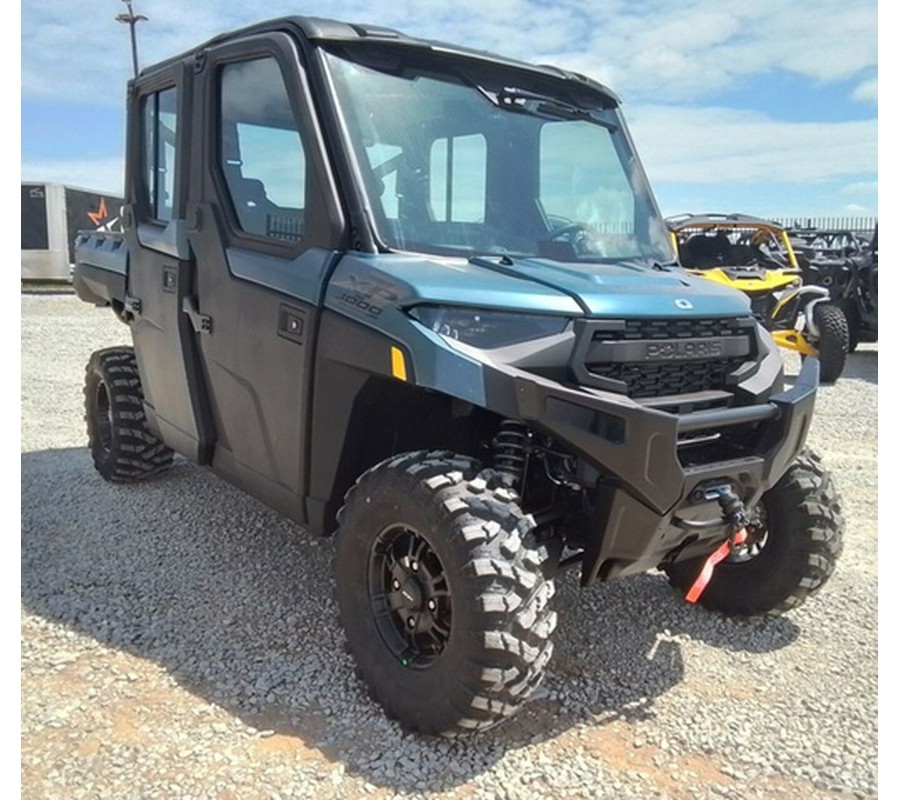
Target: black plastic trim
100 287
635 450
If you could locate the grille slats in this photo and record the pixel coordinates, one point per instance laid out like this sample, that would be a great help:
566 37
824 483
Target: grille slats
672 329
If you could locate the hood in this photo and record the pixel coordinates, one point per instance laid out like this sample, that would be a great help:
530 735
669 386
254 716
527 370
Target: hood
533 285
627 288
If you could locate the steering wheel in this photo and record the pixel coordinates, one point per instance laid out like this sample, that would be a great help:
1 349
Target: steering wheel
580 237
568 230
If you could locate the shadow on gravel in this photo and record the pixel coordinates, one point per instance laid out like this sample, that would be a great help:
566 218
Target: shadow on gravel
862 365
235 603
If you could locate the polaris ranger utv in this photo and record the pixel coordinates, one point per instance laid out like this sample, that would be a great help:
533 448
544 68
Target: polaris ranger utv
424 295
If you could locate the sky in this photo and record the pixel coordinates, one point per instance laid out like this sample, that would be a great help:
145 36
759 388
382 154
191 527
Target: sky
767 108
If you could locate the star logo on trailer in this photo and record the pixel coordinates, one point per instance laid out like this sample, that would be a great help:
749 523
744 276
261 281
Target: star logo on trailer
101 219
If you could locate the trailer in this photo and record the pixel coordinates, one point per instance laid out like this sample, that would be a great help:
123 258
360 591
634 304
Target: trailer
52 214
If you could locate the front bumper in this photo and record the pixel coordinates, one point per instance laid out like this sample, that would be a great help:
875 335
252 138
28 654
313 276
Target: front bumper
646 485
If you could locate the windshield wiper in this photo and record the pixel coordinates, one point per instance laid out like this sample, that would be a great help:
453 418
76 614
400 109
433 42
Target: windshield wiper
542 105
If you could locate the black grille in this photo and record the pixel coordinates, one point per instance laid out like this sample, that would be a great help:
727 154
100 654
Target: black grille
674 329
647 378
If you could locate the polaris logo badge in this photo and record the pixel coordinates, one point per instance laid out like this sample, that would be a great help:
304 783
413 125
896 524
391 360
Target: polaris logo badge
699 348
682 303
683 351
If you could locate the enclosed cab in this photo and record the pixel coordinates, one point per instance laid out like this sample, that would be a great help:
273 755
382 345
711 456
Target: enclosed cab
424 296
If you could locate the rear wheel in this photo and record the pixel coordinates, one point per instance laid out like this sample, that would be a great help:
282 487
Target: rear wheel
122 446
443 593
793 543
833 342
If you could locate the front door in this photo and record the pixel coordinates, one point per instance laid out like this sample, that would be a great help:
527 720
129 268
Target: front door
265 228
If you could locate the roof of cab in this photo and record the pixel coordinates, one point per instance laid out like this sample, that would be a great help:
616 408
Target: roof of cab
317 29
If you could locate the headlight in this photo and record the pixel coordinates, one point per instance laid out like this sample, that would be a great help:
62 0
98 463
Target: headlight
485 328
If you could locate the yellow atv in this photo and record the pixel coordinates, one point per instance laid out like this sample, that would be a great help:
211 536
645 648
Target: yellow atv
755 256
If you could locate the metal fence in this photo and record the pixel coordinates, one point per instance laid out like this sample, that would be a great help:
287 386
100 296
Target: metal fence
862 226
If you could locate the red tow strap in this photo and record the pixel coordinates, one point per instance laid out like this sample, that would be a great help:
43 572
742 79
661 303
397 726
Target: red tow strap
720 554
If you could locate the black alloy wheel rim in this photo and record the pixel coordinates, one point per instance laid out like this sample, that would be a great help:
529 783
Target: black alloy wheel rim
409 596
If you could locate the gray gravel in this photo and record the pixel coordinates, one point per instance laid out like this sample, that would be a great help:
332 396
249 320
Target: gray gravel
178 641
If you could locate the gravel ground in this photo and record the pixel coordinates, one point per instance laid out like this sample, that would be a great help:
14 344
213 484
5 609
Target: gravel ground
178 641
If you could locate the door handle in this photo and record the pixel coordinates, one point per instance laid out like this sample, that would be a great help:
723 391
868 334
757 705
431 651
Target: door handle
202 323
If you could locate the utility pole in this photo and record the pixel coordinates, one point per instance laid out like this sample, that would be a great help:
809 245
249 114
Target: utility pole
132 19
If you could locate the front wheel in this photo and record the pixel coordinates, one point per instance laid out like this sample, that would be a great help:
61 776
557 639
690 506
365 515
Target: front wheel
833 342
443 593
793 544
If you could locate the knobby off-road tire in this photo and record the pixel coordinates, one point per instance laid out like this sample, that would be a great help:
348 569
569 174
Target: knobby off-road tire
791 551
443 593
122 446
833 342
851 312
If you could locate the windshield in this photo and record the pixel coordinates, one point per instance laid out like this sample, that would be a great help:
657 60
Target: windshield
461 158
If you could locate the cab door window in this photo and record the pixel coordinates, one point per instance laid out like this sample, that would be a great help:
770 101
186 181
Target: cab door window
159 154
262 156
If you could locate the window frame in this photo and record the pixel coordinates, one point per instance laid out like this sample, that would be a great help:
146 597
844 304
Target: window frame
324 222
229 198
141 195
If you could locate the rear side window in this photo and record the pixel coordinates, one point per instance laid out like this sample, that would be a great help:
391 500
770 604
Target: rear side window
458 178
159 124
262 155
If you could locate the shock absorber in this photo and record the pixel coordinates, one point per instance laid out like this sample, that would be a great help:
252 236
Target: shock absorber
510 451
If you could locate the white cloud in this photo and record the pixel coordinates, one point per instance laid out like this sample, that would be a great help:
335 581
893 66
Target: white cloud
703 46
717 145
861 189
867 91
856 210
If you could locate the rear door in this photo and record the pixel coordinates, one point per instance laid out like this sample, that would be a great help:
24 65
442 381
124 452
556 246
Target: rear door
266 230
160 273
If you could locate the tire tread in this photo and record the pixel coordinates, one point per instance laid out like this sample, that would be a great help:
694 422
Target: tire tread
812 519
508 574
134 453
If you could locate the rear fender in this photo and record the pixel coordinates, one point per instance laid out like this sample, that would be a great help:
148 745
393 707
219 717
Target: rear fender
100 273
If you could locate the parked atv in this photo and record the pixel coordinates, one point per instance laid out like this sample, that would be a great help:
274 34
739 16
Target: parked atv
846 265
811 244
756 257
